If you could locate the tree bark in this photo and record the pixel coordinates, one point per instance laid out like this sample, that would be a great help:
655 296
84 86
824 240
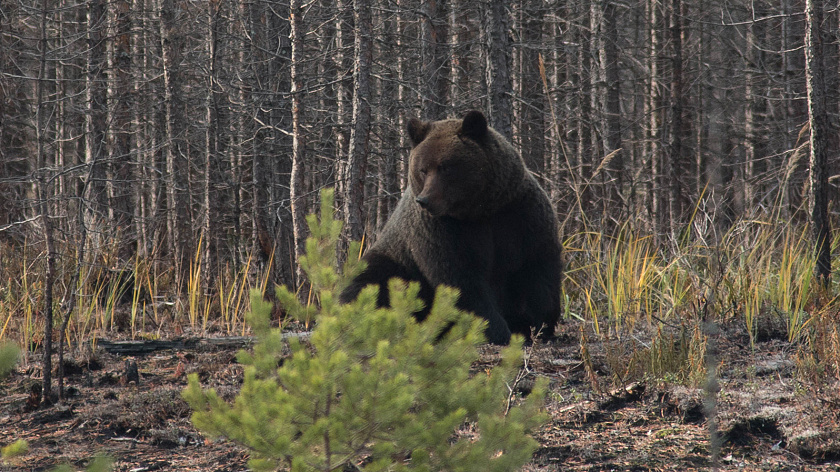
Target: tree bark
296 193
532 129
177 203
388 187
210 149
42 193
612 111
676 163
656 192
118 59
749 116
360 132
95 105
343 96
818 121
434 57
497 50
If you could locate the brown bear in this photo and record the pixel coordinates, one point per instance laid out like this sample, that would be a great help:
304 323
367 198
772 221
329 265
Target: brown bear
474 218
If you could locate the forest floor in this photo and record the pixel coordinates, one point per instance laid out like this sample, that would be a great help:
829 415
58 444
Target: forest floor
767 419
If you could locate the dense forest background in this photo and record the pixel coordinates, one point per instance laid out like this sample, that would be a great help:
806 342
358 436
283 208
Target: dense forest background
198 133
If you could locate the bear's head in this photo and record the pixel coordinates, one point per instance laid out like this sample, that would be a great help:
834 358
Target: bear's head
462 169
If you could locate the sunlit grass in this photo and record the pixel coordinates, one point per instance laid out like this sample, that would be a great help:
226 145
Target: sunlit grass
647 297
656 297
139 300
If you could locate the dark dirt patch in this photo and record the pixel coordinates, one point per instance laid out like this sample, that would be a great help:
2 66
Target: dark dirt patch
767 420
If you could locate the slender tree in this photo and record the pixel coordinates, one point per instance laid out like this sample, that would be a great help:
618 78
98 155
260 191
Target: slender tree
296 189
434 57
42 193
497 52
818 122
611 126
357 157
177 198
532 128
677 167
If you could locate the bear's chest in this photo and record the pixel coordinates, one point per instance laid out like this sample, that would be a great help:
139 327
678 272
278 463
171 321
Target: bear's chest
495 247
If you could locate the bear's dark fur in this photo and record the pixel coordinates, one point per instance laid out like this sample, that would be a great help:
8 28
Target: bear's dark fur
473 218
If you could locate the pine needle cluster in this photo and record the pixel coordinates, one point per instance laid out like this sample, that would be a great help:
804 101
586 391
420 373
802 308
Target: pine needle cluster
372 389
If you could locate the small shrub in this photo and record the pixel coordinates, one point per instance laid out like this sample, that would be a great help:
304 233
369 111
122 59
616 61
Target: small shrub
8 357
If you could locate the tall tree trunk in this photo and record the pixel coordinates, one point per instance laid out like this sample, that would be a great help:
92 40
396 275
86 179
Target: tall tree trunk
653 110
343 96
786 202
42 193
120 206
402 97
614 169
676 164
360 132
497 51
532 123
210 148
585 113
95 105
296 191
388 179
818 121
434 55
749 116
556 155
177 216
143 197
277 213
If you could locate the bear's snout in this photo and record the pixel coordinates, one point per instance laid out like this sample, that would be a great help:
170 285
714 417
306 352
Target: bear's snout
431 204
423 202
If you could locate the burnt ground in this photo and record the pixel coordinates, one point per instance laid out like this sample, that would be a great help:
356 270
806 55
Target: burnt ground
767 418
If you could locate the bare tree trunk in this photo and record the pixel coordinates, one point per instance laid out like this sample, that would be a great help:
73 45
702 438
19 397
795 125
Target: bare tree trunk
785 200
95 104
342 98
714 135
176 169
433 57
402 97
614 169
532 124
274 214
42 193
497 51
139 120
556 157
360 133
457 73
653 138
676 163
818 120
296 193
749 116
388 187
120 205
585 113
210 148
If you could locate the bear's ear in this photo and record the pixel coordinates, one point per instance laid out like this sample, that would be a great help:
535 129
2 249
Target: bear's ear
475 125
417 130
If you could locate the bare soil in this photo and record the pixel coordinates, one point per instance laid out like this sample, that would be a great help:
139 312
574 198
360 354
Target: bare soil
766 418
